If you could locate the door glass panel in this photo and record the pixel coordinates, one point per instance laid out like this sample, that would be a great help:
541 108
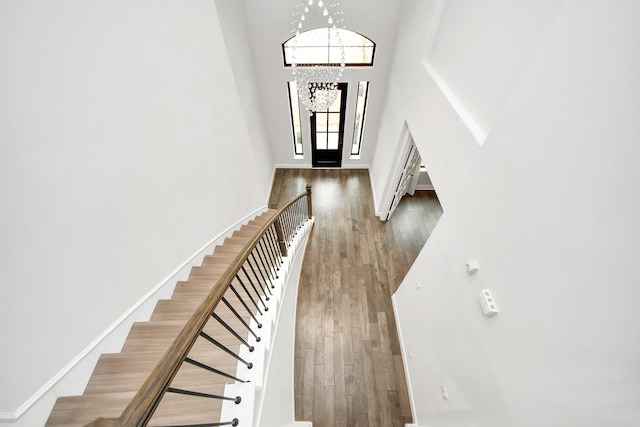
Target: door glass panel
332 143
335 107
334 122
321 141
321 122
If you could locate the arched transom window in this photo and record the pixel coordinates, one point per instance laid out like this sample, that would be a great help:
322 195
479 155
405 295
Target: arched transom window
320 47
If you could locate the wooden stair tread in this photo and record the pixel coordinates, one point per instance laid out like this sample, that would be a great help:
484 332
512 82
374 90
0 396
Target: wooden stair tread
76 411
118 376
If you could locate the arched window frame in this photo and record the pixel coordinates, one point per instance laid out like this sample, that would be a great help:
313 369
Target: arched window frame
325 48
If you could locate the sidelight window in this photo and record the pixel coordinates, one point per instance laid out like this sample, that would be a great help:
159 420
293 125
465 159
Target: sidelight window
294 108
361 106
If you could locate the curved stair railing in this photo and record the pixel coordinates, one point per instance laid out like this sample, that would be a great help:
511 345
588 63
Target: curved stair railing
226 319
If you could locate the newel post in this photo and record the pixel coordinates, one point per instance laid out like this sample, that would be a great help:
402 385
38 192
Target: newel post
309 207
280 234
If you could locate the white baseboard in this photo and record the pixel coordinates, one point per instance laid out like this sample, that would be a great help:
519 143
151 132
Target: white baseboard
292 166
425 187
355 166
72 379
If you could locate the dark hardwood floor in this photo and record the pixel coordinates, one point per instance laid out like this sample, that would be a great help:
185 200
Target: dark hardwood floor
348 366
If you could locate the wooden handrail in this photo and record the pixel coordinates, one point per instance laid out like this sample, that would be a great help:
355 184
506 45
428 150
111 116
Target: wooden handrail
146 400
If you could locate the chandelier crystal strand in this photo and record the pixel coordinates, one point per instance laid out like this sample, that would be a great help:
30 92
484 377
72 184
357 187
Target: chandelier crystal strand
317 84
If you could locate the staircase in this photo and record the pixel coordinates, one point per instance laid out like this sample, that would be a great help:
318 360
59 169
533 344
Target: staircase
118 377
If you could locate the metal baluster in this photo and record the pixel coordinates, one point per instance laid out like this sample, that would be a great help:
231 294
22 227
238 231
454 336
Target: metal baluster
232 331
272 252
214 370
248 278
254 286
245 305
225 349
273 239
233 422
248 294
303 217
296 211
269 257
246 325
266 270
256 276
287 225
236 399
291 223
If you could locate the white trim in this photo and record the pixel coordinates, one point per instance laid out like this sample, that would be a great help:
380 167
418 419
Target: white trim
467 118
9 416
292 166
13 416
373 193
404 360
355 166
424 187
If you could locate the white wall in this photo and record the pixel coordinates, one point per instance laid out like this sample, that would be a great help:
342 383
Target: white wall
234 28
124 150
547 207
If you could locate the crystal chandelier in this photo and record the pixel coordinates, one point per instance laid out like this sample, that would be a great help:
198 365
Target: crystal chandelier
318 84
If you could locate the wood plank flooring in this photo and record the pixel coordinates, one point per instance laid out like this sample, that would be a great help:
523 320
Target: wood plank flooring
348 365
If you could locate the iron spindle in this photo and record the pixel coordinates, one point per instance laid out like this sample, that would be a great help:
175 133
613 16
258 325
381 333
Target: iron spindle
214 370
251 279
248 294
233 422
225 349
274 257
245 305
269 257
246 325
232 331
236 399
265 269
256 276
274 243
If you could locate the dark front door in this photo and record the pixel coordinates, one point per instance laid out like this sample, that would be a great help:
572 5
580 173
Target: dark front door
327 132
